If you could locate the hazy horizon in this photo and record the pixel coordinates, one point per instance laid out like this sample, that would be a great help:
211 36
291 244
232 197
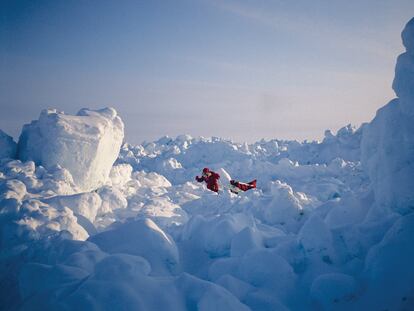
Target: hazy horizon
242 70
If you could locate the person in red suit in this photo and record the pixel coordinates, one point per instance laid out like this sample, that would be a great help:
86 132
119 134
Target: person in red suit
242 186
211 178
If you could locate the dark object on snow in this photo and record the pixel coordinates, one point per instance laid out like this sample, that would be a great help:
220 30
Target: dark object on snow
242 186
211 178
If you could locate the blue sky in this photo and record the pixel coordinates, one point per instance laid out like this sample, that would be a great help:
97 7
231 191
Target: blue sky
243 70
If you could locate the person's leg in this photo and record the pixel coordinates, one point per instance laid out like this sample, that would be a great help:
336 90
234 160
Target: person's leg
253 183
243 186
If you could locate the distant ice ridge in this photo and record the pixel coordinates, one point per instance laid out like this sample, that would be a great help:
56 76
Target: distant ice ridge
179 159
86 145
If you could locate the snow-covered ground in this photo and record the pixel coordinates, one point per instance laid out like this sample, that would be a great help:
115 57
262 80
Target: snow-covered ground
88 224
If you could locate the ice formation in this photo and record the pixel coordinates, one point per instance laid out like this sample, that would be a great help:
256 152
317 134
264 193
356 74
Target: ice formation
321 232
86 145
389 137
7 146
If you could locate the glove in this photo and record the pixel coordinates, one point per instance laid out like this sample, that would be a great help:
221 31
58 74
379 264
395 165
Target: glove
197 178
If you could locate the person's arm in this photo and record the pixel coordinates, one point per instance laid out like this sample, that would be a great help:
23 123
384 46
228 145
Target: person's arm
216 176
200 179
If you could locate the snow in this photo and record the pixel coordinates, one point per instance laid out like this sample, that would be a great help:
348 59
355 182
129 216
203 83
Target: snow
286 207
384 267
333 291
86 145
151 243
111 227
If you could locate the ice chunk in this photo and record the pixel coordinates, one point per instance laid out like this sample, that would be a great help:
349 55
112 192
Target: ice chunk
333 291
235 286
85 204
387 143
44 220
215 298
317 240
112 199
126 287
215 235
221 232
149 241
86 144
164 212
7 146
121 266
286 207
403 83
247 239
151 179
12 189
120 174
36 278
390 270
348 211
265 268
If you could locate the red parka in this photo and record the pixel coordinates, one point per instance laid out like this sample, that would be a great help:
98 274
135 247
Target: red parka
244 186
211 181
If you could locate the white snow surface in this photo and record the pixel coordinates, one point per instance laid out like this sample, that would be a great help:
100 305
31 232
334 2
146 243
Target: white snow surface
329 227
86 144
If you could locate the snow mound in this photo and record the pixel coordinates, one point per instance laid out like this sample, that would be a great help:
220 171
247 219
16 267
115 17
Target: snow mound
8 147
86 144
391 262
333 291
286 207
89 279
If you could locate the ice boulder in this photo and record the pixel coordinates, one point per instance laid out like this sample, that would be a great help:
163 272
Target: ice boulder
86 144
403 83
264 268
85 204
285 208
120 283
333 291
317 241
7 146
37 278
389 269
142 237
388 143
215 234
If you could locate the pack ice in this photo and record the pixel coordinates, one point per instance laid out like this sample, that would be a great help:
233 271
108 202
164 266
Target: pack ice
330 226
87 144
